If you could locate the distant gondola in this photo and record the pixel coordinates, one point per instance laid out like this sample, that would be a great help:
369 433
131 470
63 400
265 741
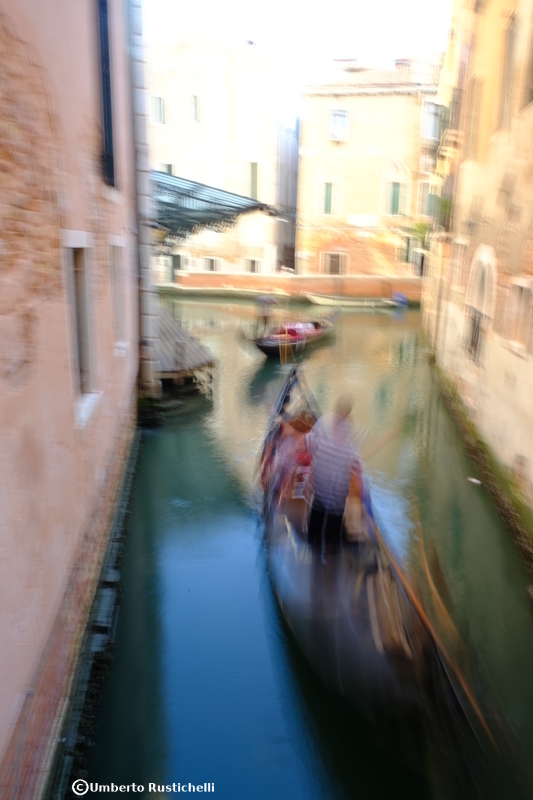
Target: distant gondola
284 341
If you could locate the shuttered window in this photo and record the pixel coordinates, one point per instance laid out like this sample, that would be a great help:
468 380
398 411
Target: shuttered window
328 198
395 198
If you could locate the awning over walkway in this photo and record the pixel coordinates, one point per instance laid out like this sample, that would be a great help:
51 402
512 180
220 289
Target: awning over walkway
184 207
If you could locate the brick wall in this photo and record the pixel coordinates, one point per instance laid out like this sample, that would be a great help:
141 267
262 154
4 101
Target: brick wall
58 473
295 285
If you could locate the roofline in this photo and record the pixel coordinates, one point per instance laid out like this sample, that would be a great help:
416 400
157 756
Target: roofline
334 91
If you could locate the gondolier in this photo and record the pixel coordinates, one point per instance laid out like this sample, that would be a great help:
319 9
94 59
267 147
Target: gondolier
359 621
265 304
335 464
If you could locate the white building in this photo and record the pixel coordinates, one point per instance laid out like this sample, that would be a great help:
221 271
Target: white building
213 120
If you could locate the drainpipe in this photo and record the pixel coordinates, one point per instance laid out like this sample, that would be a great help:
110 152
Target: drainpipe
147 297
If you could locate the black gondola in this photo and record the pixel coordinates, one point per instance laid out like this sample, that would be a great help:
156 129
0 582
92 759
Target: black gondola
285 341
355 615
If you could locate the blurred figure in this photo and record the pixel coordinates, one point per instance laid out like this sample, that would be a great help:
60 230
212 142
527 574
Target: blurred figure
265 304
335 463
289 449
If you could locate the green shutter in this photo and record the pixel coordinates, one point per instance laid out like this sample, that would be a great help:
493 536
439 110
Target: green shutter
328 198
395 198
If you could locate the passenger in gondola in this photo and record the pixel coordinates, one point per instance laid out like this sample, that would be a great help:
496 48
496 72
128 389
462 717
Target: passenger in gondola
290 448
335 465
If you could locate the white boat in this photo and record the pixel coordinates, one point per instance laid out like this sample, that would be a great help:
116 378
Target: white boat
364 303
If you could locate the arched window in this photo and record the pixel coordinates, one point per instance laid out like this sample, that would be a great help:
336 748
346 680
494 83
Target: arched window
480 300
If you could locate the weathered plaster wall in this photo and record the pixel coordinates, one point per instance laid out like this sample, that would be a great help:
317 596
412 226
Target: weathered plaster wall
382 129
236 126
493 235
58 474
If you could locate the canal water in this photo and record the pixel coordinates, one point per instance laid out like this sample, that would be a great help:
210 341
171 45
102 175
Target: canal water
207 685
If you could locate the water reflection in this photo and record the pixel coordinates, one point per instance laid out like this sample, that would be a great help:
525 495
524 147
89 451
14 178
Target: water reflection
207 682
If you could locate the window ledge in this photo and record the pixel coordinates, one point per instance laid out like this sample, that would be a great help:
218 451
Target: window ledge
111 193
84 408
516 348
120 349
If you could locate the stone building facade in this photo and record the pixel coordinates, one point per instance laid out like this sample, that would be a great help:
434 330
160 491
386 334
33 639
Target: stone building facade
367 152
69 336
213 120
478 293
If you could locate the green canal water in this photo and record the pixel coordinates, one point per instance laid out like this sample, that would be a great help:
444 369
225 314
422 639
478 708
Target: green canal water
207 685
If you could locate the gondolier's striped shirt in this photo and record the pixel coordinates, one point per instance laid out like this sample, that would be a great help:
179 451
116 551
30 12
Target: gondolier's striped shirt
334 458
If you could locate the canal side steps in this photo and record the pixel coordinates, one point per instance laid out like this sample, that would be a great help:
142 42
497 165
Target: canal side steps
95 652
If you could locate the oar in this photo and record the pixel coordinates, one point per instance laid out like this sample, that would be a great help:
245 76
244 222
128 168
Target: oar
438 603
426 622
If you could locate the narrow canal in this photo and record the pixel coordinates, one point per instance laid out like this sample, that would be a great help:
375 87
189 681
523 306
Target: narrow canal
207 685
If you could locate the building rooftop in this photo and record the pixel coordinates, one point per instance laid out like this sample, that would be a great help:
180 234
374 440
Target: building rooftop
407 77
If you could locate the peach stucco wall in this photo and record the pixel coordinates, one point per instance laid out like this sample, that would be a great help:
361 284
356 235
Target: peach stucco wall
296 285
58 472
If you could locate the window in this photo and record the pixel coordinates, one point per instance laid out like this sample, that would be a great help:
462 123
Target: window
395 185
157 111
338 126
430 121
428 162
427 201
117 289
334 263
507 74
328 198
519 312
417 257
474 339
473 118
108 159
423 199
178 262
480 300
210 264
528 90
81 313
252 265
455 109
394 198
459 264
253 180
195 108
